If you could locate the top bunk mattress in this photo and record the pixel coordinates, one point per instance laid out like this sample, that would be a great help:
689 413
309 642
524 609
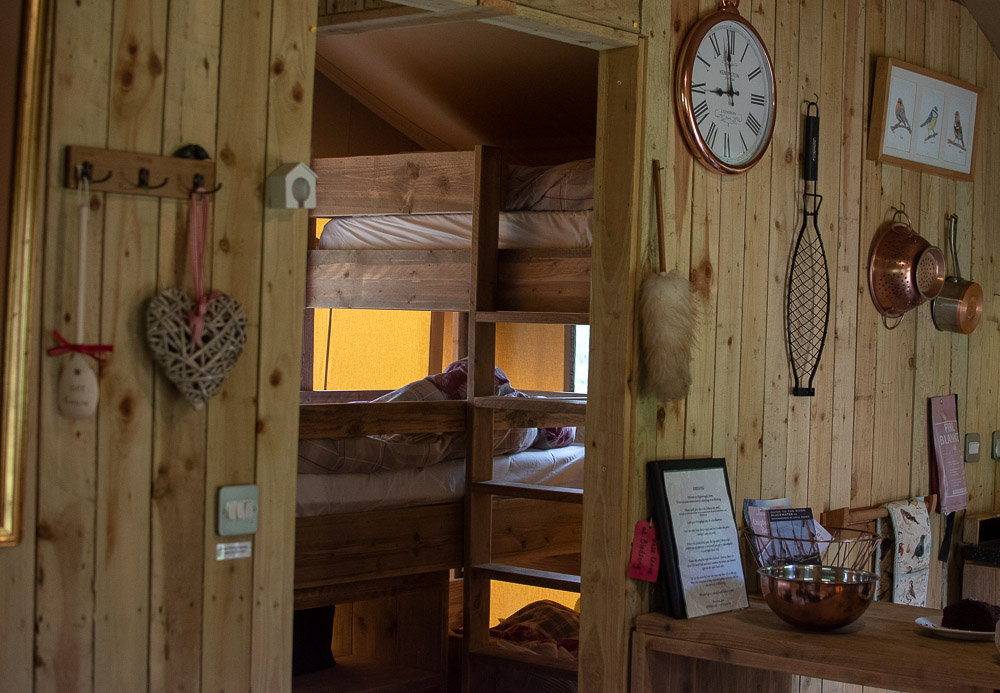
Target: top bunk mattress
327 494
521 229
545 207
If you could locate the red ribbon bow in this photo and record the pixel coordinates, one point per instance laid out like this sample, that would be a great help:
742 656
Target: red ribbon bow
95 351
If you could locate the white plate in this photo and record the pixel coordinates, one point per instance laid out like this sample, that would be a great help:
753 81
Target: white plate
934 627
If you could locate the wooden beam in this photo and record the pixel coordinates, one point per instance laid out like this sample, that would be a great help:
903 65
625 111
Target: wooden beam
397 17
606 622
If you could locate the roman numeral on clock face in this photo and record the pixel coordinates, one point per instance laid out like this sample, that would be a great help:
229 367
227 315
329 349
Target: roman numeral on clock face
754 73
753 124
715 44
712 133
731 41
757 99
700 111
725 140
698 88
707 64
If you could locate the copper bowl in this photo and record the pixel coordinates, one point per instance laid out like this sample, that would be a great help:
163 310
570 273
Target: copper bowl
817 597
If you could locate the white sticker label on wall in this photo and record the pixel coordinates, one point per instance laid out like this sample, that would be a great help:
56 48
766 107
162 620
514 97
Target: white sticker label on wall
234 549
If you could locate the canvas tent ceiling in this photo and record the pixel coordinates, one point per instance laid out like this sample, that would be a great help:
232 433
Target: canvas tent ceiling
460 84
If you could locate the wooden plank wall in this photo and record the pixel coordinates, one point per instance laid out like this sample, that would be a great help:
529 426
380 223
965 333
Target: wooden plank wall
863 438
120 533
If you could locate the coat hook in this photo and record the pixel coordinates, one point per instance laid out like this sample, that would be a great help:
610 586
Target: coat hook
86 171
199 182
144 180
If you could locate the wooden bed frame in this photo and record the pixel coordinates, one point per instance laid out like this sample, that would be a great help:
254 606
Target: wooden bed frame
347 557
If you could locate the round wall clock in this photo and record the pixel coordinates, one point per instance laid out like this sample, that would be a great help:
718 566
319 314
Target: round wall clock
725 91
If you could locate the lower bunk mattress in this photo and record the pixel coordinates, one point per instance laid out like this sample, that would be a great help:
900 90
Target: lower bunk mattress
327 494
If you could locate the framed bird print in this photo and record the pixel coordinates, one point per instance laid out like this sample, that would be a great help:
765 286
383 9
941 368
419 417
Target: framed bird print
923 120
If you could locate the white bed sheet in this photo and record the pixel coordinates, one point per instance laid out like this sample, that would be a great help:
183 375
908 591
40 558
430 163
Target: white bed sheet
453 231
326 494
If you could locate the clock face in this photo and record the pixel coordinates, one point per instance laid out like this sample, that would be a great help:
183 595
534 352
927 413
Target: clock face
726 95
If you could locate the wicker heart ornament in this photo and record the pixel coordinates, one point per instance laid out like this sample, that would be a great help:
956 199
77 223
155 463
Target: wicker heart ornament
197 368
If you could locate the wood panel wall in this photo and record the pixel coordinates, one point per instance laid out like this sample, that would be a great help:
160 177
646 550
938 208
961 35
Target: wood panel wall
116 586
863 438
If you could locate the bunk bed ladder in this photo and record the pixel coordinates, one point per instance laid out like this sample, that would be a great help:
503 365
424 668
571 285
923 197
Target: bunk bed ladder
486 412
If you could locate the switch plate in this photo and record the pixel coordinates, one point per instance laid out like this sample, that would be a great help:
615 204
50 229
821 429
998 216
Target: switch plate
971 447
995 447
237 510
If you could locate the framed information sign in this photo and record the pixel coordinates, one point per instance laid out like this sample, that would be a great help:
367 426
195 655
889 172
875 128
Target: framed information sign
701 571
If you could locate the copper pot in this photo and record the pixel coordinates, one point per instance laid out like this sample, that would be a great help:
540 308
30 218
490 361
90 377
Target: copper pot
904 270
959 306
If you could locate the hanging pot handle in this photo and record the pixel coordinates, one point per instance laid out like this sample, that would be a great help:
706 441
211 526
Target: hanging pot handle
954 245
902 212
899 319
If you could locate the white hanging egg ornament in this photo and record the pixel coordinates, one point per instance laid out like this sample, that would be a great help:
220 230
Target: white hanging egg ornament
78 389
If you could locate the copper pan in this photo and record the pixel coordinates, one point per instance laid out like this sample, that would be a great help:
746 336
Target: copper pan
904 270
959 306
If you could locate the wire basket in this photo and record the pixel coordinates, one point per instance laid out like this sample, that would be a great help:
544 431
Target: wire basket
853 549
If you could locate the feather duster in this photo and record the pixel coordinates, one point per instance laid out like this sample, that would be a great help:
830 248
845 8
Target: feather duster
668 314
668 310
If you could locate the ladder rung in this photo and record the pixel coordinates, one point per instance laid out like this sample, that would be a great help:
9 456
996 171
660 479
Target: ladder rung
528 576
522 316
559 494
550 665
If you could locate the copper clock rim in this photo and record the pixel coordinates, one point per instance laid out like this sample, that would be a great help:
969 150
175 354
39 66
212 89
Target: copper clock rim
682 90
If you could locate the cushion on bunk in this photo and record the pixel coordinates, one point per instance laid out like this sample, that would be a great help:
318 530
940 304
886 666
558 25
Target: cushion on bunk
365 455
565 187
543 621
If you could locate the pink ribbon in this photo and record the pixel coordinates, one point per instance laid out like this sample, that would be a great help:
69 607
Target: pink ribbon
95 351
197 222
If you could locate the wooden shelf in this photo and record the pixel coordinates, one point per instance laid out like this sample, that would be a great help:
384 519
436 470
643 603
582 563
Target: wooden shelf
882 649
352 675
528 576
497 655
559 494
520 316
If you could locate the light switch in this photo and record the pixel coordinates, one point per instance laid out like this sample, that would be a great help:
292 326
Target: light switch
996 445
237 510
971 447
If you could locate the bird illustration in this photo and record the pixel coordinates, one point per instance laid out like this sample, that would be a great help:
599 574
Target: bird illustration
912 592
930 123
907 516
919 551
959 140
901 121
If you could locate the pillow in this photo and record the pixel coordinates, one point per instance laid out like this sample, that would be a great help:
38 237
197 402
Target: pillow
565 187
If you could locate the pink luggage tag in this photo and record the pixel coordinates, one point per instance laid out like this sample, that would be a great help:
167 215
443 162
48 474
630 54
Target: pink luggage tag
644 563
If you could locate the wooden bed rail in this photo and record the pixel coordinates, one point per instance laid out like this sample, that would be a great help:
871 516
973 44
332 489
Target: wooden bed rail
411 183
540 280
366 419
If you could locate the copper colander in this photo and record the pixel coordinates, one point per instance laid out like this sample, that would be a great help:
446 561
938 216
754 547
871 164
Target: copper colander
904 270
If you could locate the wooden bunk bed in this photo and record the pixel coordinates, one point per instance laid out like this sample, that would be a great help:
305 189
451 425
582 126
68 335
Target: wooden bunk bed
507 531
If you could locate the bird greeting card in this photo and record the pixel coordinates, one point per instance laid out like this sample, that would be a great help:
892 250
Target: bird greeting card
923 120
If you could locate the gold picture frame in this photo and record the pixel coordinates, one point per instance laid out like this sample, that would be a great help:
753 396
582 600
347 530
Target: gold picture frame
25 178
923 120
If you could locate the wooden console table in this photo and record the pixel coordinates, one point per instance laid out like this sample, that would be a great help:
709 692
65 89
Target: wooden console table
753 649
